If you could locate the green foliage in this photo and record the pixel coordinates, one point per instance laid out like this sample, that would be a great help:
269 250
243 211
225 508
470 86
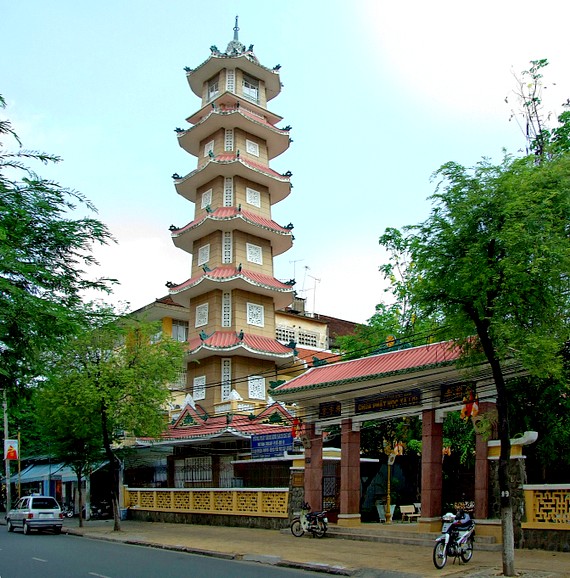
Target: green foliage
459 435
493 256
43 255
113 378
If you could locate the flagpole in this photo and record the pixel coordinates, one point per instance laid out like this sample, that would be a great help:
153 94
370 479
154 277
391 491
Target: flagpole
6 461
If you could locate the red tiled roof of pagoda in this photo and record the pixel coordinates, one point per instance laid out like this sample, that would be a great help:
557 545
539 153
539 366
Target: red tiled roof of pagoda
230 339
229 157
216 425
224 109
233 212
375 365
232 272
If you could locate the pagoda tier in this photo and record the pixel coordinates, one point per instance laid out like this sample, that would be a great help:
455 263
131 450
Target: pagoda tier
234 118
229 278
229 100
229 219
231 343
246 62
233 165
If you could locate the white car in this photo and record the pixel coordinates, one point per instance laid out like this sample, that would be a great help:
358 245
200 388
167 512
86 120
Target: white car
35 513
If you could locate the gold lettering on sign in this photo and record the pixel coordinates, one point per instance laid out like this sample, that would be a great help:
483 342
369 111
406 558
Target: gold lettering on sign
387 401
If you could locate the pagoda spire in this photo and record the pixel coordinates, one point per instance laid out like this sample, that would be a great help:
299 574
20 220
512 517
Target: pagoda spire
236 30
235 47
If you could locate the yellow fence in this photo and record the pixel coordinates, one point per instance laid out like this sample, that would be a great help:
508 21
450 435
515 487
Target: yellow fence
547 507
266 502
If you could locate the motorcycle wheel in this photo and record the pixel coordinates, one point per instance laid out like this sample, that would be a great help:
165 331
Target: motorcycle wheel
320 529
297 528
467 551
439 555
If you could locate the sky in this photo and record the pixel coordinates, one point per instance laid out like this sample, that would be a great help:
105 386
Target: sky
379 94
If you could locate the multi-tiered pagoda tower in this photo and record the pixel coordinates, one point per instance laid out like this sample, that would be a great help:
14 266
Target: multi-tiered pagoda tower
232 294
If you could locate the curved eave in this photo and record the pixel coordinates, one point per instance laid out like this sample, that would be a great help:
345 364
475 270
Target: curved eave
204 350
277 140
279 186
229 100
250 346
181 294
217 62
281 240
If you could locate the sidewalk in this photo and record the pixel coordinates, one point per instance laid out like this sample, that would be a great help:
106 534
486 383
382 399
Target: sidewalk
330 555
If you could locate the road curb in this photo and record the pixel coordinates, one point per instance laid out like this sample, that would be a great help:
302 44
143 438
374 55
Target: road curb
261 559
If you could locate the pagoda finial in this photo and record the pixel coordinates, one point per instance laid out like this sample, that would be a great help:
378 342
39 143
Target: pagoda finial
235 47
236 30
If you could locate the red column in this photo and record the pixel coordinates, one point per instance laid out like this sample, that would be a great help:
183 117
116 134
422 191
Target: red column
349 475
482 469
314 469
432 445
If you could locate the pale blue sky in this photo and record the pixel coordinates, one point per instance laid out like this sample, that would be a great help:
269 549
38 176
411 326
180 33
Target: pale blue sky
379 95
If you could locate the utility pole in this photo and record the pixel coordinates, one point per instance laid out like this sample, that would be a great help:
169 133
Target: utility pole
7 462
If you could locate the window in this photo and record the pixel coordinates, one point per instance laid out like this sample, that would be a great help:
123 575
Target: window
285 334
229 139
253 197
256 387
206 198
254 253
229 192
213 87
226 378
252 147
209 148
227 247
308 338
255 315
179 330
230 80
199 389
204 254
180 381
201 315
226 309
250 88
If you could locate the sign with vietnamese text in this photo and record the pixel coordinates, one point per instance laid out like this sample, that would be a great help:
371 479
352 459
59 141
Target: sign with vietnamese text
271 445
387 401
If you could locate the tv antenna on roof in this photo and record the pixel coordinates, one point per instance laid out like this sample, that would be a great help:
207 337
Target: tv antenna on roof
314 293
294 263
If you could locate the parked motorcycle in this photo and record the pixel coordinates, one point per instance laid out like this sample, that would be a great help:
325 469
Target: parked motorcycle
456 540
314 522
68 511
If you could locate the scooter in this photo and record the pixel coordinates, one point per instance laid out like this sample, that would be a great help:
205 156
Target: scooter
456 540
314 522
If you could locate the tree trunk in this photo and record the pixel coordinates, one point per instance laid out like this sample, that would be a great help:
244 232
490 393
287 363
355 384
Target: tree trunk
80 498
505 439
114 470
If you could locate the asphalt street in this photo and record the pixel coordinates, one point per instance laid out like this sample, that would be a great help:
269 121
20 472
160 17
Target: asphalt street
49 556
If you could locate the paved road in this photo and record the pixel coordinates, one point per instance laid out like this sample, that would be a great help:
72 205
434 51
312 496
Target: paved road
49 556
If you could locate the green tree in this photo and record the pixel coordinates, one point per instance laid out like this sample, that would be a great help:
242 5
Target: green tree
44 251
70 426
121 371
493 259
